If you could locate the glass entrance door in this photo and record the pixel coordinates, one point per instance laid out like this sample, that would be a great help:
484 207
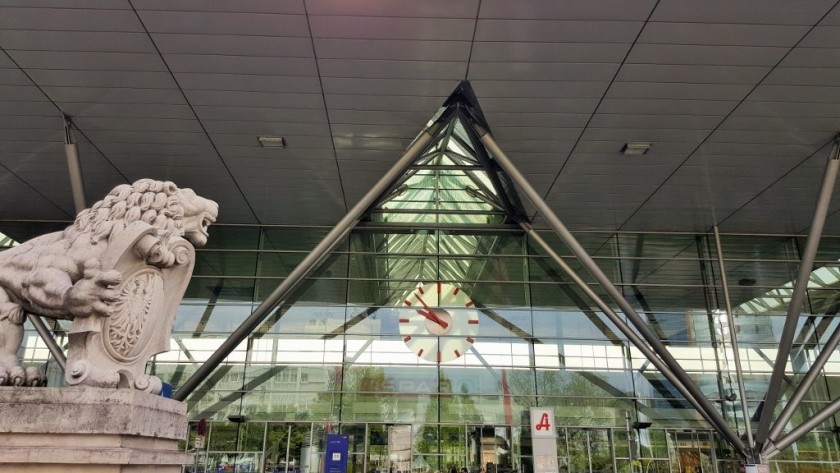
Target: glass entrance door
589 451
490 447
289 448
389 448
694 451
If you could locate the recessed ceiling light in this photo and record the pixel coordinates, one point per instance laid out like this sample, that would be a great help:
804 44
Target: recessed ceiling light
635 148
272 141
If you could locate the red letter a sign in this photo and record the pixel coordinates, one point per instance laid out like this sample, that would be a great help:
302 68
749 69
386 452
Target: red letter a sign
544 440
543 423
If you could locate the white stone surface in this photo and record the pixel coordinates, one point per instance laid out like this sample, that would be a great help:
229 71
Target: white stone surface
91 430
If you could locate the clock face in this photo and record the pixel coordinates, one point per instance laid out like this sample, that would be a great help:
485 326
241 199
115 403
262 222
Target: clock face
442 323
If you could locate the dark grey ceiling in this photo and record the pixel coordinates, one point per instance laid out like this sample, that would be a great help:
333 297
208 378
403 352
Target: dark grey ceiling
739 100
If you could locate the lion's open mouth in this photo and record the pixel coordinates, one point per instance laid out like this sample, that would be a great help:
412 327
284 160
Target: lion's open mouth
206 222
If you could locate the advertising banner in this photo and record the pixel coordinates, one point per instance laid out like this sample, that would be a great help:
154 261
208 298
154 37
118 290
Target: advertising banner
336 461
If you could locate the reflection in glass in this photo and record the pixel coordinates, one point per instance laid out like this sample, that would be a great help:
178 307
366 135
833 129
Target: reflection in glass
490 448
578 451
600 451
334 354
389 448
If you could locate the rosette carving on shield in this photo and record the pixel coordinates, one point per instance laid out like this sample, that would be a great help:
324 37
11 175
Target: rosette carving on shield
127 329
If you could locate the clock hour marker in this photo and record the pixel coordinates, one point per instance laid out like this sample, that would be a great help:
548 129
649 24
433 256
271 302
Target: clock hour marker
470 304
421 290
472 321
407 302
438 356
420 353
470 339
407 338
457 290
438 287
457 353
405 321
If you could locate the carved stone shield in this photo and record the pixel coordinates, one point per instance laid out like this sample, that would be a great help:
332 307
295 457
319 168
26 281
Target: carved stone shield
113 351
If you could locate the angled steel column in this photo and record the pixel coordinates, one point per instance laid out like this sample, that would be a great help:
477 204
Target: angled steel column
773 448
798 295
309 264
48 338
736 354
74 167
804 385
634 338
602 279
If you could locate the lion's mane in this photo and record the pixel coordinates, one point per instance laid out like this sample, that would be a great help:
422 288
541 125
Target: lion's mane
157 203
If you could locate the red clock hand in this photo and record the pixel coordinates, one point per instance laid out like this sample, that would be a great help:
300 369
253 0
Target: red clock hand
423 302
429 313
434 318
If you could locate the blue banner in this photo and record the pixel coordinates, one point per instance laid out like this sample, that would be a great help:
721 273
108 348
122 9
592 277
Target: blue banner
337 446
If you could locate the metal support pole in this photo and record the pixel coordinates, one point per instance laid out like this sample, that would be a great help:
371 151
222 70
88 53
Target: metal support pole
309 264
774 448
77 188
74 167
628 332
733 340
804 385
48 338
798 295
603 280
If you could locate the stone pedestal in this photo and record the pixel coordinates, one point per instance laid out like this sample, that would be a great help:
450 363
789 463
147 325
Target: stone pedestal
92 430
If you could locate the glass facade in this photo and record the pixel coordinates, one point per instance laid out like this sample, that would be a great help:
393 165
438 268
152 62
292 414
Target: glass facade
333 358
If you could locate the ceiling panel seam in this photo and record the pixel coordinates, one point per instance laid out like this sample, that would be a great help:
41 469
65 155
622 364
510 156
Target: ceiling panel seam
723 120
779 179
326 110
192 110
61 114
603 96
472 40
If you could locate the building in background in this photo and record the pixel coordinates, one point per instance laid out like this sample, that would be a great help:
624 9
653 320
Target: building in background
644 124
356 350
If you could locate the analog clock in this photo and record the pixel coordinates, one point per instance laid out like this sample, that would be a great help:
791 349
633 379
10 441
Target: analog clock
442 322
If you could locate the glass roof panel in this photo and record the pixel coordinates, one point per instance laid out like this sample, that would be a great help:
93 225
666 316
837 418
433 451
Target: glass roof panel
450 185
7 241
447 185
826 277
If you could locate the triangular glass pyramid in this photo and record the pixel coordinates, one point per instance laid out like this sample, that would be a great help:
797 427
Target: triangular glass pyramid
451 189
455 181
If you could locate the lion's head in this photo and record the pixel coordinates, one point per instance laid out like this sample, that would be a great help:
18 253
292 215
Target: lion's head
199 213
172 211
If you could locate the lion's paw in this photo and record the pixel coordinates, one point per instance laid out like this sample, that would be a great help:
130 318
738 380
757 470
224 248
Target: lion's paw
94 293
17 376
35 377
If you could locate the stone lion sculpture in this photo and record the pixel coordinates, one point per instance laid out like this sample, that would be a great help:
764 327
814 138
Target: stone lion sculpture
119 273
